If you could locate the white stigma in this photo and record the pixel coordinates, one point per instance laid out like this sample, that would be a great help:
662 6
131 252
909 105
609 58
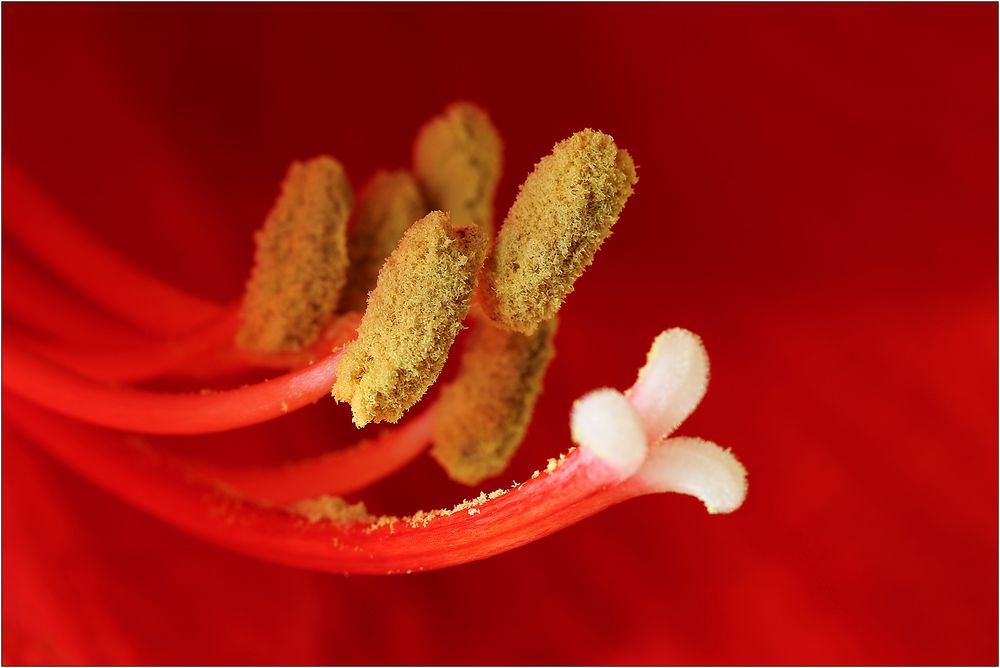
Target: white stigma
605 423
697 468
671 384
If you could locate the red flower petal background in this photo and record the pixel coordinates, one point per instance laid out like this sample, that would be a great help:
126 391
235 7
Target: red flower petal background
817 200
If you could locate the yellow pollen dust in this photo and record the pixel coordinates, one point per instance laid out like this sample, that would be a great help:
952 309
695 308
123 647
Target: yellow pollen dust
339 511
332 509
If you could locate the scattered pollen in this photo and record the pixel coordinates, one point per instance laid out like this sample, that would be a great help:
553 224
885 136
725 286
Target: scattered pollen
561 216
423 292
482 416
387 206
422 518
331 508
301 260
457 158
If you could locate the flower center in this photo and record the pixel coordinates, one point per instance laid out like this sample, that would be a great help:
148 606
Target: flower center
386 287
421 276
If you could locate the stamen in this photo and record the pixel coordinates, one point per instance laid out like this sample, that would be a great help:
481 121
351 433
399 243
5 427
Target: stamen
563 212
457 158
46 307
423 292
340 331
160 412
672 383
301 260
483 415
127 364
207 353
339 472
388 205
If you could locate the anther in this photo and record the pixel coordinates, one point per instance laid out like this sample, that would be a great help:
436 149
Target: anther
301 260
457 159
561 216
387 206
483 415
423 292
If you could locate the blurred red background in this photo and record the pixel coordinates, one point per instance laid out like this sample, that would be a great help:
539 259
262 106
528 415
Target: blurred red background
817 199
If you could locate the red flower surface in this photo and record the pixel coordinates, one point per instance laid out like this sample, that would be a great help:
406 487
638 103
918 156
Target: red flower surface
817 199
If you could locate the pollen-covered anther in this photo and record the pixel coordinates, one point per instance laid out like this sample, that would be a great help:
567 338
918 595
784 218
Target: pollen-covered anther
387 206
482 416
301 260
562 214
604 423
423 292
457 158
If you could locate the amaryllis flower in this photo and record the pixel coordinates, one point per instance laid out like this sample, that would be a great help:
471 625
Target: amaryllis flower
816 200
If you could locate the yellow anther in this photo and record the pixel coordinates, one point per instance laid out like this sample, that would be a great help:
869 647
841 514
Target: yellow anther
387 206
562 214
457 158
301 259
483 415
423 292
